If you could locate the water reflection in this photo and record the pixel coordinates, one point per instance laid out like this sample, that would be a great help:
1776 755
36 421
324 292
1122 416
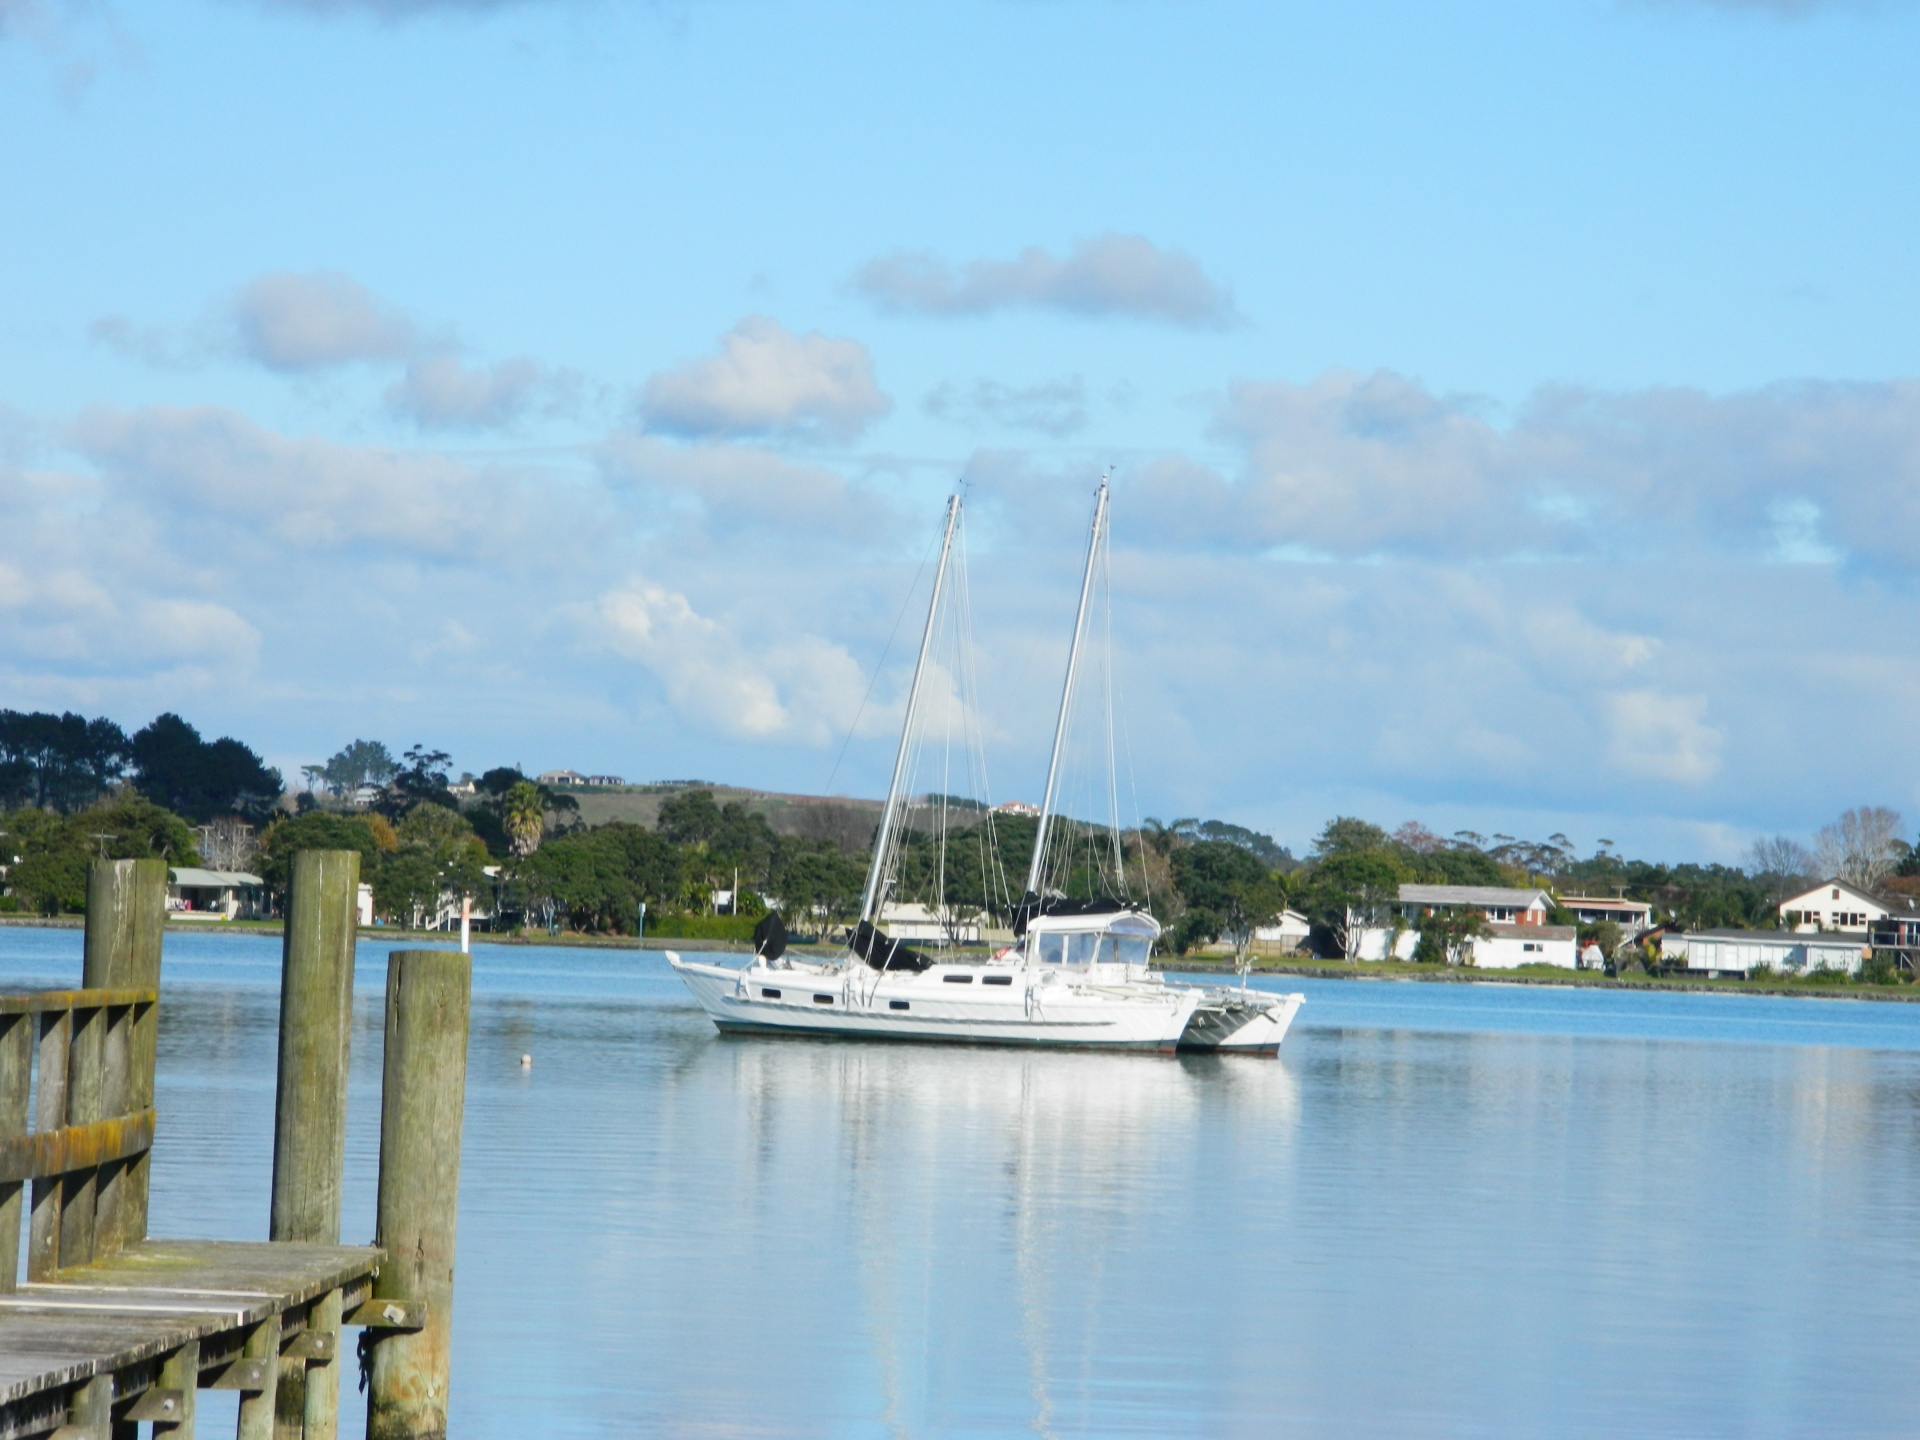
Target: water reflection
1437 1214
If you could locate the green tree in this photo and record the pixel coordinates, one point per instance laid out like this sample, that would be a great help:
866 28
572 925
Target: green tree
199 779
1345 835
1228 891
360 762
1447 936
50 875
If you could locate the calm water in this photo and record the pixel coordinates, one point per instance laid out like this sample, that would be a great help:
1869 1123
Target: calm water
1445 1211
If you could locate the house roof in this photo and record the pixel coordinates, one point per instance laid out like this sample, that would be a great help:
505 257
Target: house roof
1872 897
1616 901
214 879
1532 932
1473 895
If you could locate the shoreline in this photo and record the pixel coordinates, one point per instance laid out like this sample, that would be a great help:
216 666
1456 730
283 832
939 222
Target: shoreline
1375 972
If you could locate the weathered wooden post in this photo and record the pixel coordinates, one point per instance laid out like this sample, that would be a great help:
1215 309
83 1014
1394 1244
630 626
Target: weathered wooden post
126 917
310 1118
422 1103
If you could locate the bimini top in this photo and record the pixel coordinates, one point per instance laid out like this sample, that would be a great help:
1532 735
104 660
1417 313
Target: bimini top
1091 937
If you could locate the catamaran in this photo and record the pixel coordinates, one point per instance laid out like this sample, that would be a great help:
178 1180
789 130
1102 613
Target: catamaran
1076 974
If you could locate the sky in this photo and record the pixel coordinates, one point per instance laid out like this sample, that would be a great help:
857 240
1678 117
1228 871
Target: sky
1511 408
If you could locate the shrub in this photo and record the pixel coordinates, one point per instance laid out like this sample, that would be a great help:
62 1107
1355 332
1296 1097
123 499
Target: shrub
1879 969
700 927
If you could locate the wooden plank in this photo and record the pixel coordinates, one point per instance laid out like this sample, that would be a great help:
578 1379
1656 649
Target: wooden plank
42 1002
75 1147
110 1176
157 1296
49 1114
16 1082
86 1102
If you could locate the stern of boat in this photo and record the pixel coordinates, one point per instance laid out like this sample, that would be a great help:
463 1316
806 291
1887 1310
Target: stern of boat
1240 1022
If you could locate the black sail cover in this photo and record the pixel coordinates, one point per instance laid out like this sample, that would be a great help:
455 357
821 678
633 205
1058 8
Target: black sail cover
770 936
882 952
1032 905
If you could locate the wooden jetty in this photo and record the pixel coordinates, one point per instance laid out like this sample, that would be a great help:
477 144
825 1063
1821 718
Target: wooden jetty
111 1329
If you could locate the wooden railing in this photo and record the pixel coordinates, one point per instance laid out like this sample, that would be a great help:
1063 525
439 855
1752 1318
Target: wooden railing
84 1059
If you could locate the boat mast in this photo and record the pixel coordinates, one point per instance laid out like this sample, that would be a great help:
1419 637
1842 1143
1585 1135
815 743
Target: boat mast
870 901
1066 694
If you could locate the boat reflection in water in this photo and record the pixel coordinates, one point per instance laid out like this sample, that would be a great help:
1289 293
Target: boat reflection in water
966 1216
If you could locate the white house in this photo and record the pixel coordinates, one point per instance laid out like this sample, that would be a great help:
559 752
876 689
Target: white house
1016 807
1737 952
910 920
1835 905
195 894
1289 932
1634 917
1497 904
1507 947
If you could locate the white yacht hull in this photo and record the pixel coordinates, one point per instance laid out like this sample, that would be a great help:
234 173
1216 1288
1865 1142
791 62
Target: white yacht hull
987 1005
1029 1008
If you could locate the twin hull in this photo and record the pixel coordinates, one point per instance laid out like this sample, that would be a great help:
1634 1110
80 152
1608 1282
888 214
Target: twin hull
993 1005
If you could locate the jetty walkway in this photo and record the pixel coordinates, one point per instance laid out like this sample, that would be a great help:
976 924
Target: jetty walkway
109 1329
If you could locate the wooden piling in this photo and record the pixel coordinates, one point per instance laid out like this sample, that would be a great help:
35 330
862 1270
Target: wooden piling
422 1104
310 1120
126 918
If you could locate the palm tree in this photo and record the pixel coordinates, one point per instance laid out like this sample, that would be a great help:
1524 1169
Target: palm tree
525 816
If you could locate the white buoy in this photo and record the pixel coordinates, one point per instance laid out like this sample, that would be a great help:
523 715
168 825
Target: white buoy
526 1062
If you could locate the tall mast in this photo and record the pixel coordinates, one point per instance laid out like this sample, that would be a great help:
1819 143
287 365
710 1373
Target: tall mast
1066 693
870 901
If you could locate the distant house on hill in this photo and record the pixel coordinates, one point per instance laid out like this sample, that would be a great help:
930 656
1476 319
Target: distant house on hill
561 779
1015 807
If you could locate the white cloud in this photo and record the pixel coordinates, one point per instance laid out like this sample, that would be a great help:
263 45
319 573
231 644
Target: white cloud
766 380
1106 275
309 494
1052 407
1662 736
805 688
1377 465
442 391
308 322
740 488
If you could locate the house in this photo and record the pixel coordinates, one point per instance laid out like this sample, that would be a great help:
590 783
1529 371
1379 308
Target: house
1634 917
195 894
605 781
1838 905
910 920
1015 807
1498 905
365 797
1290 932
1738 952
561 779
1507 947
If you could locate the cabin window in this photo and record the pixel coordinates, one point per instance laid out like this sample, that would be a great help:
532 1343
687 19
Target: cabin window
996 979
766 994
1053 949
958 979
1081 948
897 1004
823 999
1133 949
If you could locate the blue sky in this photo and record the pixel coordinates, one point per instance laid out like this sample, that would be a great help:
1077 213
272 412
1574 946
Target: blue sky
1512 406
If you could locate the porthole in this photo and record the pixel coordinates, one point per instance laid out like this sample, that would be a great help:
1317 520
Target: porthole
766 994
823 999
896 1004
996 979
958 979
